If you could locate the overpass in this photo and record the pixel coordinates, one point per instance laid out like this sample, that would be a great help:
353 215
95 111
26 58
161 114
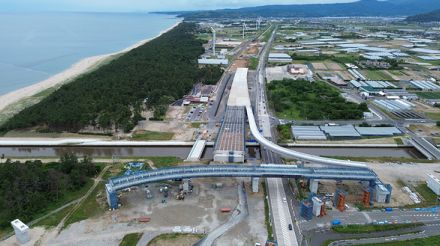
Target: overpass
425 147
239 97
230 170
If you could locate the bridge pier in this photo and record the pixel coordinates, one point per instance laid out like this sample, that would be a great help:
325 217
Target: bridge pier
313 185
255 184
380 192
185 185
112 197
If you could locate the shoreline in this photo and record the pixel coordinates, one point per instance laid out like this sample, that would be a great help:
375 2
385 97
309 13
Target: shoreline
81 67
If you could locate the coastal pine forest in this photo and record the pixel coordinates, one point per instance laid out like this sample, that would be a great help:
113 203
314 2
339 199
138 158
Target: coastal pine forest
113 96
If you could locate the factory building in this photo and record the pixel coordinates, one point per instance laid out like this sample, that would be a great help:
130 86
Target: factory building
279 57
378 131
434 184
207 61
308 133
341 132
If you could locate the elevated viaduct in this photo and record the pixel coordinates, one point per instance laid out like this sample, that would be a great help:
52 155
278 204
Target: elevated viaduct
230 170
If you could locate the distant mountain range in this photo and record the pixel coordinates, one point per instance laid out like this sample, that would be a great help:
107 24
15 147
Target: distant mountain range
433 16
389 8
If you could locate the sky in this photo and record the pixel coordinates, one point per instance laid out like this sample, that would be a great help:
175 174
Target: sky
140 5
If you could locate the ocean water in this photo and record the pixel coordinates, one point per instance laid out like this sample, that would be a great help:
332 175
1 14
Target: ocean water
35 46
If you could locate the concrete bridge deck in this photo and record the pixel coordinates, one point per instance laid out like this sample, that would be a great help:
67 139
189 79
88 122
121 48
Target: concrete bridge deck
254 171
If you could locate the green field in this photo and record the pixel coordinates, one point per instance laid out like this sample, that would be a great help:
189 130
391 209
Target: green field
356 229
429 241
284 133
300 99
429 197
130 239
165 161
429 95
152 135
175 239
90 207
376 75
54 219
253 63
434 116
267 214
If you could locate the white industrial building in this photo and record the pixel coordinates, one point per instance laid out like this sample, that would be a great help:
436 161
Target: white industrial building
207 61
378 131
346 131
279 57
425 85
308 133
434 184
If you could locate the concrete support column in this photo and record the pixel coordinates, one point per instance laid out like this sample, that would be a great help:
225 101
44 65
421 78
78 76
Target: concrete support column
313 186
112 197
185 185
390 189
255 184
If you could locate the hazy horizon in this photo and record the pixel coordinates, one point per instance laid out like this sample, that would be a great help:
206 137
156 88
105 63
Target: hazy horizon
139 5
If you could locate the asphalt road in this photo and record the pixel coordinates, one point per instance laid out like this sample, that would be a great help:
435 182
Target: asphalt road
278 203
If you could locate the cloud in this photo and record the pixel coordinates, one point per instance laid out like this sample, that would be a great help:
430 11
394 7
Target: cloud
140 5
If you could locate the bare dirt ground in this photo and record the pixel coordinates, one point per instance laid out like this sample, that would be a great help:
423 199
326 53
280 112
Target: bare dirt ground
408 173
345 75
353 188
253 50
239 63
420 107
319 66
251 230
174 122
35 235
333 66
435 74
426 130
199 211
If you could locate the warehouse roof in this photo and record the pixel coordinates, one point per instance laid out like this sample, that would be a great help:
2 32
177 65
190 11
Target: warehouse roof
340 131
378 131
308 133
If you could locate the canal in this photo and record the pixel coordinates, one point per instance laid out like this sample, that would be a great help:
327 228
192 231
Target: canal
182 152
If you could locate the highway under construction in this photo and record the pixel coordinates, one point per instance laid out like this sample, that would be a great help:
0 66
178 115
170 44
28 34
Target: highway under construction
230 148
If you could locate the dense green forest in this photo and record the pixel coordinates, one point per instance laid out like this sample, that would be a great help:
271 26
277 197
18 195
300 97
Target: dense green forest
300 99
28 188
433 16
152 75
353 8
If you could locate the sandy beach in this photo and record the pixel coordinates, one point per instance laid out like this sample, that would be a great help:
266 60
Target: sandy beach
78 68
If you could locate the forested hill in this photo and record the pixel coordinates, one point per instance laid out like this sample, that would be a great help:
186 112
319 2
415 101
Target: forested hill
357 8
433 16
156 73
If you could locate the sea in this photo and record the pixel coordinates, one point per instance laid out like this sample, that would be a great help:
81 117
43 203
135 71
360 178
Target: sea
36 46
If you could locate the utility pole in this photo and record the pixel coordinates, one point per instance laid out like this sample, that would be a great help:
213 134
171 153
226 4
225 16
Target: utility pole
244 28
213 40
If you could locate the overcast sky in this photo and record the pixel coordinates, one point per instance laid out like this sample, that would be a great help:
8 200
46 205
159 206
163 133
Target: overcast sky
140 5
